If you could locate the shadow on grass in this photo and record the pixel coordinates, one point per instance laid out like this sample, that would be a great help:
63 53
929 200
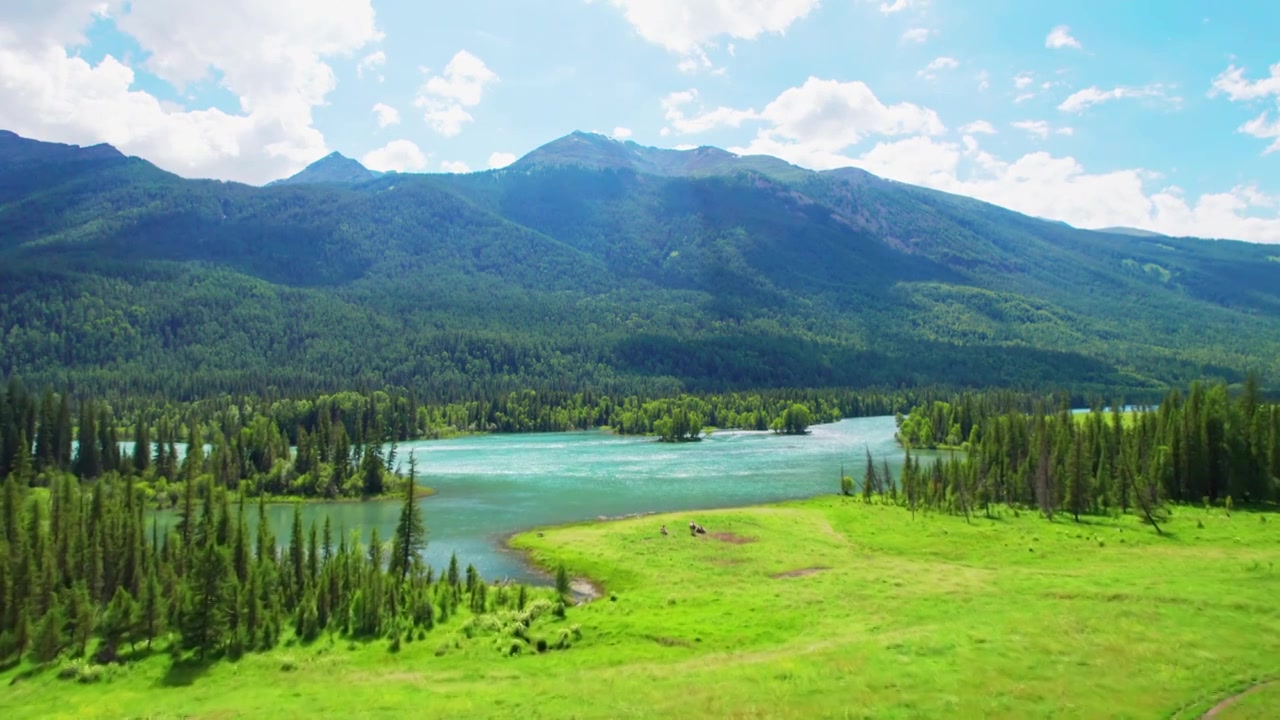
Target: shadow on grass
185 672
29 673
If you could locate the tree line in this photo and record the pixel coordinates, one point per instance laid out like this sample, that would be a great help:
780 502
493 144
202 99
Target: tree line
85 574
1202 446
347 444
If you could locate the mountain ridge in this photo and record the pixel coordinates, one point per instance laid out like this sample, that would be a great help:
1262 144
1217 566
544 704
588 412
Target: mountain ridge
597 263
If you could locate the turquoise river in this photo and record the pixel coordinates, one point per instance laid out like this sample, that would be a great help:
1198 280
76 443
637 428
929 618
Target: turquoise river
491 486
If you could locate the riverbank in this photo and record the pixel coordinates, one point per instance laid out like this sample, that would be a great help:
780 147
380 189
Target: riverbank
396 495
805 609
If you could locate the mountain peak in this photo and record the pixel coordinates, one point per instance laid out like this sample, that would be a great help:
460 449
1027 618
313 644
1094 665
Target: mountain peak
334 168
593 151
17 151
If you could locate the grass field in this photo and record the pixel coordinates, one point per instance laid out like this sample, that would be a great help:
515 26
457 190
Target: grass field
819 608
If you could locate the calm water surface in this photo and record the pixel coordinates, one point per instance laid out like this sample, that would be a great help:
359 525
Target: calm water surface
493 485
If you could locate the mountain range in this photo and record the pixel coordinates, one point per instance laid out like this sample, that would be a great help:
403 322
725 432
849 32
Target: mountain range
593 264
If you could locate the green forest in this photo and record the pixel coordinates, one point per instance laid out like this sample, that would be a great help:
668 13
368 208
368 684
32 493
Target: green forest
591 265
1201 447
85 574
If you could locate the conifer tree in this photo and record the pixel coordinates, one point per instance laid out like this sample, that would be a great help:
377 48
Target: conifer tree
153 611
203 620
141 446
62 434
1077 481
411 534
118 621
870 482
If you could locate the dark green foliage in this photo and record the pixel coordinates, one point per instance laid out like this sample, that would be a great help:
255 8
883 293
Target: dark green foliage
562 582
795 420
77 566
411 532
1198 448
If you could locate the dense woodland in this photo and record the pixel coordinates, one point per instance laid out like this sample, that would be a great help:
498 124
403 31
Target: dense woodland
85 573
1198 447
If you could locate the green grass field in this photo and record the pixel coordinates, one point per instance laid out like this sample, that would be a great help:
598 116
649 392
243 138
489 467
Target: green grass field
819 608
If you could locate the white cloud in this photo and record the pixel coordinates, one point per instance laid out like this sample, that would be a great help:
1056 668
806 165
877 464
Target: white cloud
1083 99
271 56
454 166
1023 98
1060 188
621 133
892 6
1021 81
978 127
387 115
938 64
1232 82
674 107
984 80
1060 37
371 62
1068 131
397 155
1261 128
916 34
813 124
500 160
1038 128
445 98
687 27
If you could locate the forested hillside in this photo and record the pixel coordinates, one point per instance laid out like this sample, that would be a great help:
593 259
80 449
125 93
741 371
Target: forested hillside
592 264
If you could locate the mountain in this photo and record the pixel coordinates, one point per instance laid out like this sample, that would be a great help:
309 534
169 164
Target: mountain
593 263
333 168
1135 232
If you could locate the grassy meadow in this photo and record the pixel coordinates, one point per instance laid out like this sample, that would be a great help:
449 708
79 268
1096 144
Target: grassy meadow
820 608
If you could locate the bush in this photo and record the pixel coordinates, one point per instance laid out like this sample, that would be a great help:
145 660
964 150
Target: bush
82 671
562 582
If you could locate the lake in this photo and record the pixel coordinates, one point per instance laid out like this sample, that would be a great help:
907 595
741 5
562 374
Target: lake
490 486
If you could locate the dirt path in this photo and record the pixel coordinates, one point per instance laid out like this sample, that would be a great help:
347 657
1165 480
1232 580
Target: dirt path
1228 702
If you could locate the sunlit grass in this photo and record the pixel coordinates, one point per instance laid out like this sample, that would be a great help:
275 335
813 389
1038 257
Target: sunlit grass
820 608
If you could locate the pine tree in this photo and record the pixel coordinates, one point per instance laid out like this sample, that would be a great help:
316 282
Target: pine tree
82 616
88 453
152 614
870 482
45 456
48 640
62 434
411 535
297 556
203 621
118 621
1078 489
141 446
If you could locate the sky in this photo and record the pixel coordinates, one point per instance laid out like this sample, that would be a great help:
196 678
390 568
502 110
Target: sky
1155 114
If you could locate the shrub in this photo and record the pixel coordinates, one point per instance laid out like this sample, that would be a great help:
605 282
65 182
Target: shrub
562 582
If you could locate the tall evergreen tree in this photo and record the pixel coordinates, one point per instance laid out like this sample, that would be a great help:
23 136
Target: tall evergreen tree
411 535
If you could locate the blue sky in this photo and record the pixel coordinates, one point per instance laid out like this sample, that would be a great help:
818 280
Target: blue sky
1155 114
